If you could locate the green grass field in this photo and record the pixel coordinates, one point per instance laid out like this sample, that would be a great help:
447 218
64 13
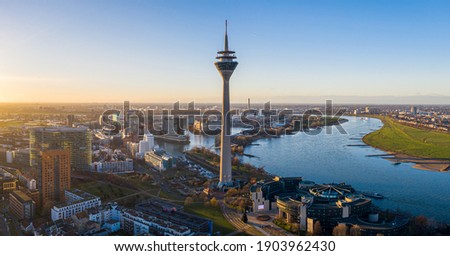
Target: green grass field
399 138
105 191
214 214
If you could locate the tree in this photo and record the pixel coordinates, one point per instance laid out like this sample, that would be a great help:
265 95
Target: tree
235 161
213 202
46 207
317 229
355 230
145 178
340 230
242 204
188 201
244 218
420 226
231 192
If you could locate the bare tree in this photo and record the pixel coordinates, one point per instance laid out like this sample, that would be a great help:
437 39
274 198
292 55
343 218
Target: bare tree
420 226
340 230
188 201
317 230
355 230
231 192
213 202
236 161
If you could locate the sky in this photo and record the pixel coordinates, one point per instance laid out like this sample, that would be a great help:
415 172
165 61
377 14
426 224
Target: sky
350 51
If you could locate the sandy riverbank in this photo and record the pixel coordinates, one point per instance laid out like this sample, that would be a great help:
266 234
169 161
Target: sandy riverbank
420 162
427 164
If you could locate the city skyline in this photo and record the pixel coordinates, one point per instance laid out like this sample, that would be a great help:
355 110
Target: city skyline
350 51
336 123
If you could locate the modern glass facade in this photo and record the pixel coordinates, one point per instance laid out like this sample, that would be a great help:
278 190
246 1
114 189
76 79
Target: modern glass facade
77 140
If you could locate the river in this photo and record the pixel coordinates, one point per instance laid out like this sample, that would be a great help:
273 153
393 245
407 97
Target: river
326 158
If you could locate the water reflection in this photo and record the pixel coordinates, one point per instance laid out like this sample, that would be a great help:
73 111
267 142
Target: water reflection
328 158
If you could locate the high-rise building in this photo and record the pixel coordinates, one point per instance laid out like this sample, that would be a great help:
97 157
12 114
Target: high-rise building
55 175
126 109
77 140
133 121
225 65
413 110
190 119
69 120
170 125
146 144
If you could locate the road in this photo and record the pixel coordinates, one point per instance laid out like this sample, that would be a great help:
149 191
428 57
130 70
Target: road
267 227
233 217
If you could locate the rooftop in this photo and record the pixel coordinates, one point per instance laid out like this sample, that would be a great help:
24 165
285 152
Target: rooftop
60 129
85 196
156 220
21 196
158 210
81 193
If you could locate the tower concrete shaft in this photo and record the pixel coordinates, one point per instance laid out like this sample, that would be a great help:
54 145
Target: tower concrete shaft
225 65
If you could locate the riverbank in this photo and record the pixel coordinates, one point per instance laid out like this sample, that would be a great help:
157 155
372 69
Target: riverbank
211 161
426 164
428 150
249 137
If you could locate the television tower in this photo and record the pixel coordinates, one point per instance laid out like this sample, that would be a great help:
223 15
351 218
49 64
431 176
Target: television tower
225 65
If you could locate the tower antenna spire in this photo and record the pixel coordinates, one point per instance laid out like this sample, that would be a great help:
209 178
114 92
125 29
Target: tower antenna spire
226 35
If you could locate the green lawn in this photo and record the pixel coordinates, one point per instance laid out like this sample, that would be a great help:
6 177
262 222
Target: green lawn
214 214
103 190
399 138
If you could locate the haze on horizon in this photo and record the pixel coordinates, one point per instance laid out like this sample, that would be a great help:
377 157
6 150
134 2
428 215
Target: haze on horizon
350 51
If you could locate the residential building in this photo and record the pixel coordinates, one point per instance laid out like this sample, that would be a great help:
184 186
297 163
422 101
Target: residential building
139 223
159 160
21 205
29 183
173 213
10 154
54 176
113 167
76 201
8 182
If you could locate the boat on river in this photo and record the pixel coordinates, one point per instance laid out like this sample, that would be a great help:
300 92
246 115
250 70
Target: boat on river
373 195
